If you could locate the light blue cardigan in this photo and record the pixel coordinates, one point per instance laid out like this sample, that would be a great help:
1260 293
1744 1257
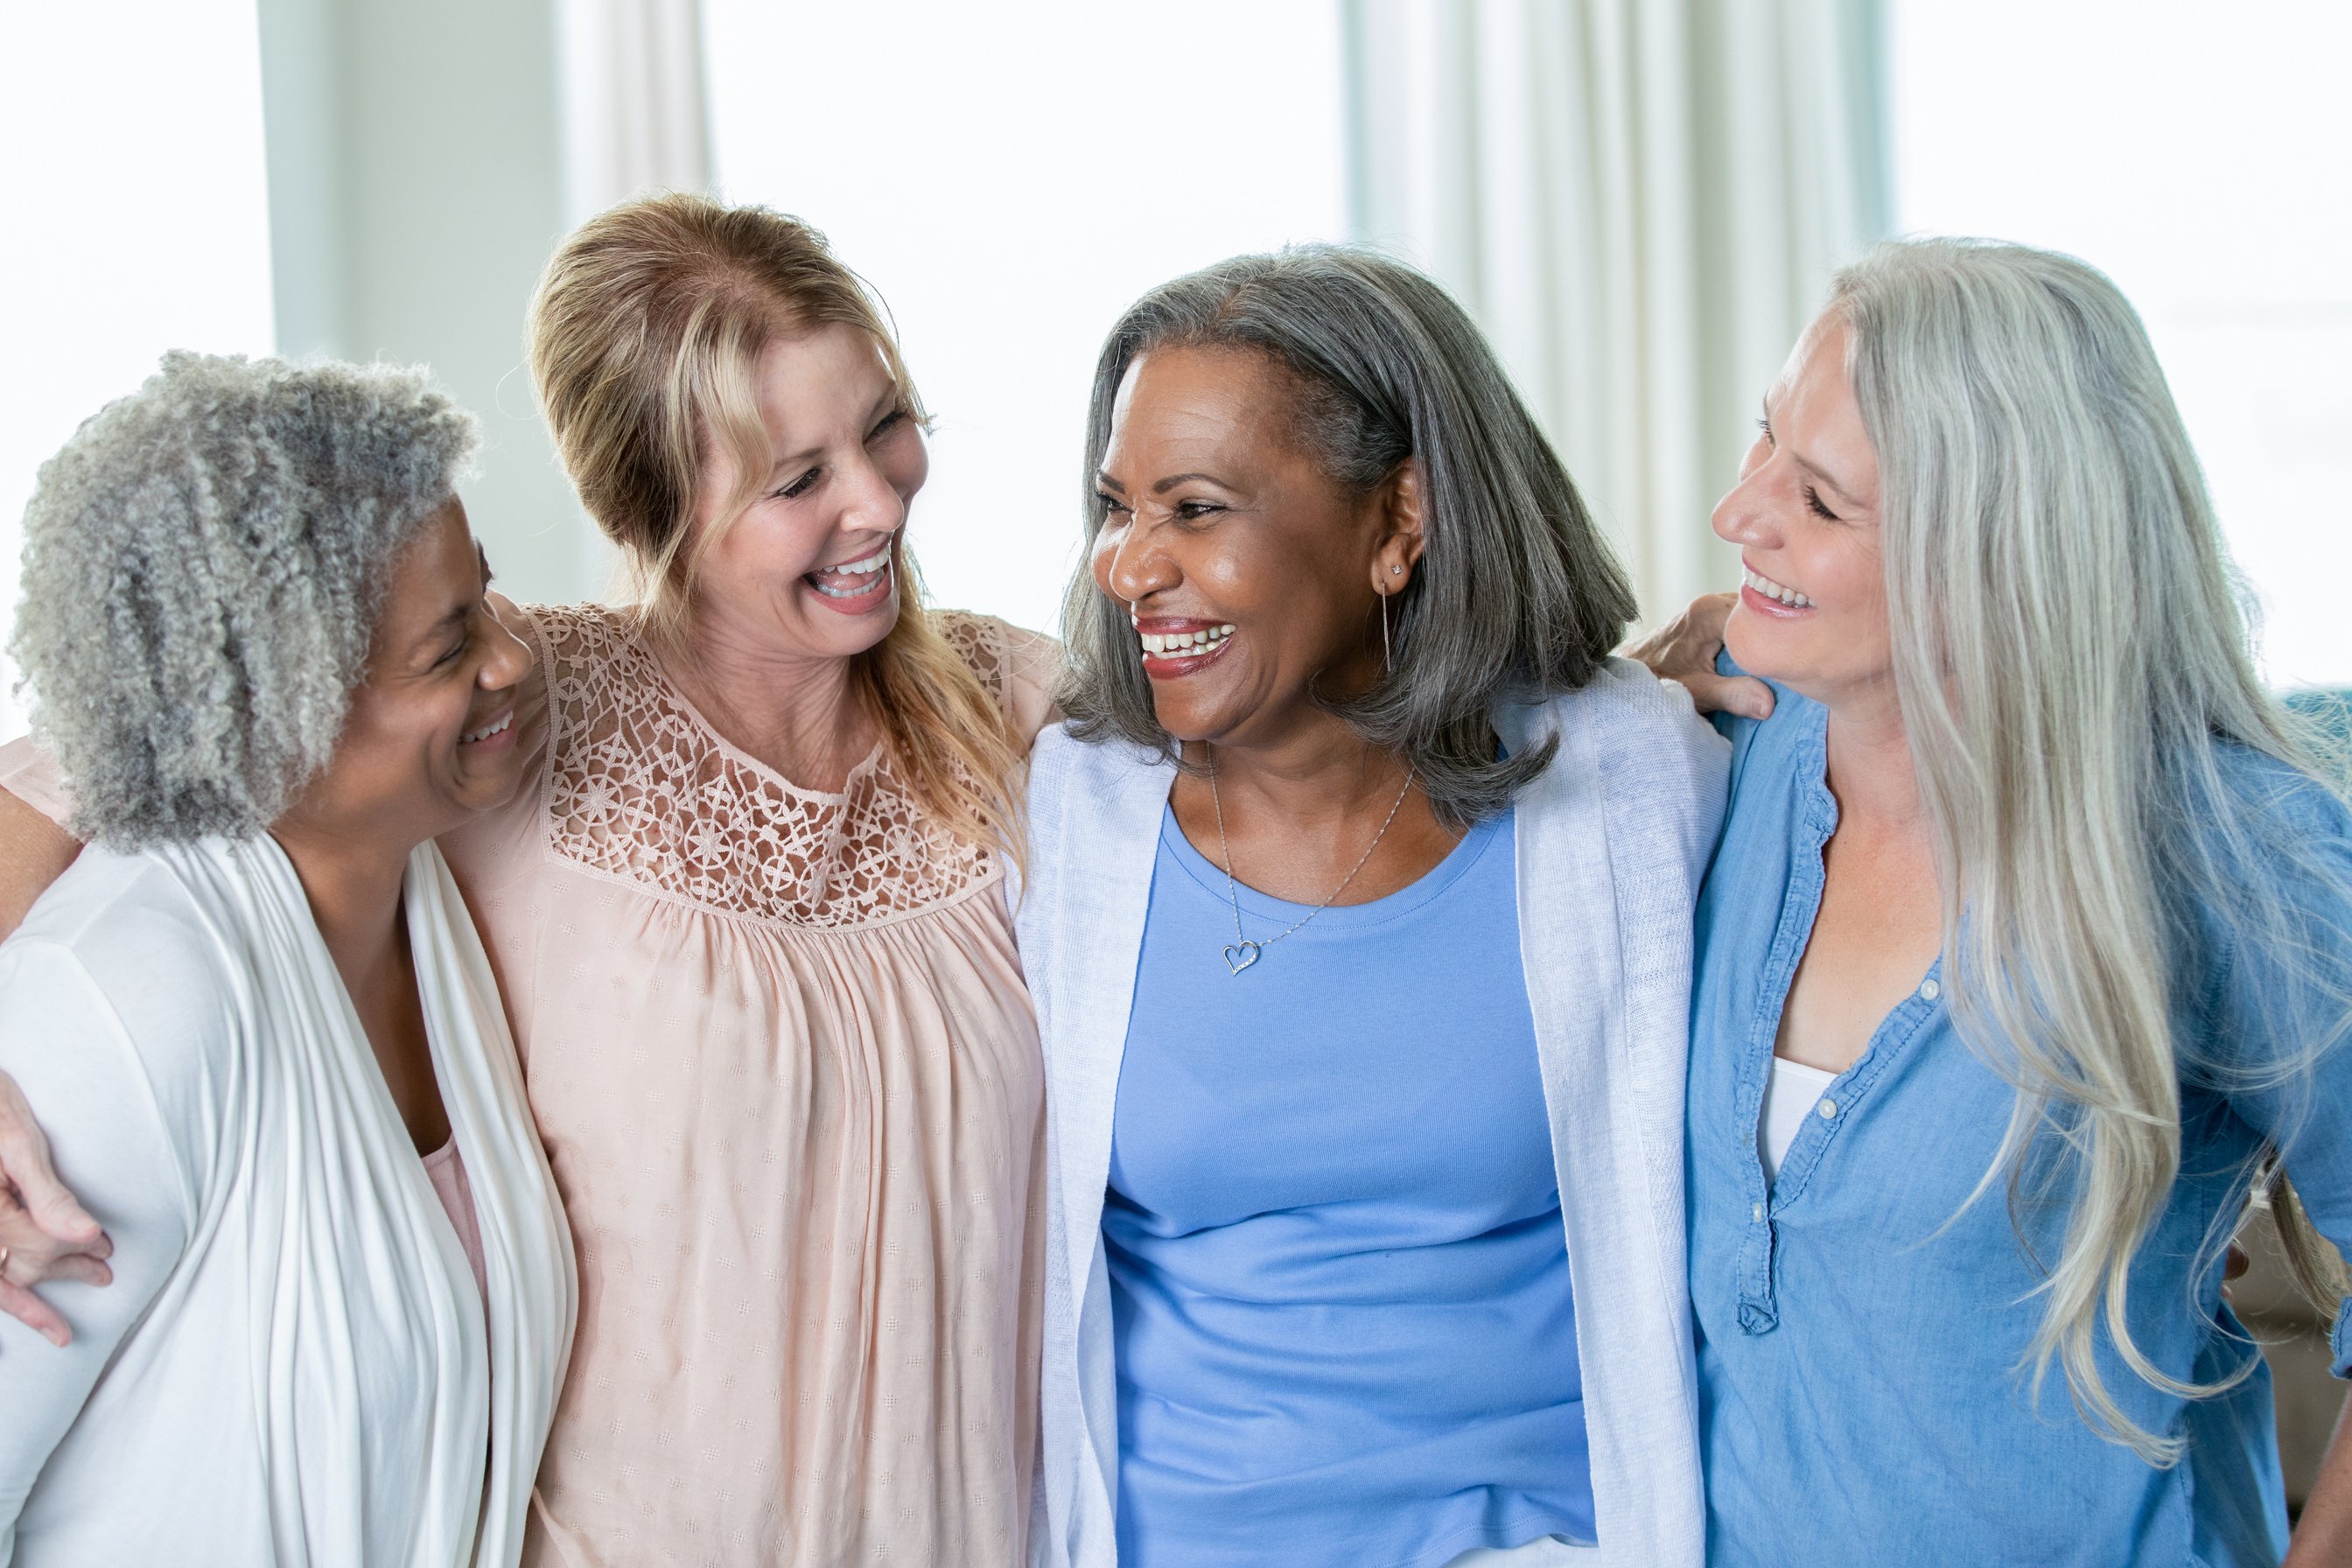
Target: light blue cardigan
1613 838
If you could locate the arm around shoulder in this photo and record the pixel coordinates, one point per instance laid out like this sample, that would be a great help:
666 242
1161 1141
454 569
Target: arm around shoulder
1662 751
61 1040
34 852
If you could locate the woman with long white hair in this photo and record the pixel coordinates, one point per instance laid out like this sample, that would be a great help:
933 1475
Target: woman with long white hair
2025 962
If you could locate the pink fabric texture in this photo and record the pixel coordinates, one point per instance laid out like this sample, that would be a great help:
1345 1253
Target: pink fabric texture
786 1071
447 1167
780 1052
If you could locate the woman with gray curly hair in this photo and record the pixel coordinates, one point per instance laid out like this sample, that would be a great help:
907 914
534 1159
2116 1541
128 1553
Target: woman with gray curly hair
261 1031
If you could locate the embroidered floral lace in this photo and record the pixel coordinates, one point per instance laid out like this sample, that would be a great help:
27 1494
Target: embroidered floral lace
641 789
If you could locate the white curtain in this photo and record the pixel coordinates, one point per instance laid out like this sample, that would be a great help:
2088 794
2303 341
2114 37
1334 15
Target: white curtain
1641 201
634 116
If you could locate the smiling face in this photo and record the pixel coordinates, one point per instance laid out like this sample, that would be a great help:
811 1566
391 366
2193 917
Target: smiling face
1812 603
430 739
811 568
1249 573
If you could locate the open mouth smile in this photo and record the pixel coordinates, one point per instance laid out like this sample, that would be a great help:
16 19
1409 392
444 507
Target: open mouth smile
1759 593
856 585
499 726
1173 647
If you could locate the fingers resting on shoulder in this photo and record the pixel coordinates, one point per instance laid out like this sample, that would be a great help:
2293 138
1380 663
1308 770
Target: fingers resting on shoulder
1684 651
45 1234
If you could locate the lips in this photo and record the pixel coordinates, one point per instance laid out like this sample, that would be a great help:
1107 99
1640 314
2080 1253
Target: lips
1778 601
489 731
855 586
1175 645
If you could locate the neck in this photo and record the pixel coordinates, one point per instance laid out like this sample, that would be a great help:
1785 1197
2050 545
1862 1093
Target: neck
1322 772
1869 767
801 714
353 881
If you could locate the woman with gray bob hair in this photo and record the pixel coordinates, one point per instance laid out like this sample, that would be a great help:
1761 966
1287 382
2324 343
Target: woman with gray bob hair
1360 930
253 1013
1517 593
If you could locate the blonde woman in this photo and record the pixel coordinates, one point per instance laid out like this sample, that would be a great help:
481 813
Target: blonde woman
2025 959
746 912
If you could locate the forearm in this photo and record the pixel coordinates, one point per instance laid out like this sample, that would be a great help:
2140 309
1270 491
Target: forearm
2323 1538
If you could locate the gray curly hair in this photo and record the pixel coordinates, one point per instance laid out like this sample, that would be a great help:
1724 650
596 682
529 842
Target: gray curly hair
203 564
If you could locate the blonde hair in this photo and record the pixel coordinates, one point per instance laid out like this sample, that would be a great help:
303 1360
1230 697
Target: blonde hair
2086 779
644 334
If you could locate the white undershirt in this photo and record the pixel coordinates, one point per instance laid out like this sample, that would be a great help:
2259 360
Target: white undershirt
1790 1096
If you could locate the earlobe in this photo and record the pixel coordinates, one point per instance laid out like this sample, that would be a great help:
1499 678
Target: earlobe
1400 551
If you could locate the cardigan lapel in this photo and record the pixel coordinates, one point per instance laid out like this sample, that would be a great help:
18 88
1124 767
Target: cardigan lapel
1082 941
1613 1100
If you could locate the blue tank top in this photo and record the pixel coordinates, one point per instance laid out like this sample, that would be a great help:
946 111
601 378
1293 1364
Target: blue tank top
1340 1283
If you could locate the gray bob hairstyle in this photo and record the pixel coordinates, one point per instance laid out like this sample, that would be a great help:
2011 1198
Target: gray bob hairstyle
1517 595
203 564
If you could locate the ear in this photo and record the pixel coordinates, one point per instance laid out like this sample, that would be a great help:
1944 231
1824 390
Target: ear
1402 533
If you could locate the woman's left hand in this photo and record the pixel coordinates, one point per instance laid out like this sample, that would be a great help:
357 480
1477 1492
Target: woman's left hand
45 1234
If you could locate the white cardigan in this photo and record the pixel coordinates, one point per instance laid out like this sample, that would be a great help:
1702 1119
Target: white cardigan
1613 840
293 1365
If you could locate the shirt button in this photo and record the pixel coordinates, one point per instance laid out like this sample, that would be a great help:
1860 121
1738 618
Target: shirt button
1930 989
1758 1214
1829 1110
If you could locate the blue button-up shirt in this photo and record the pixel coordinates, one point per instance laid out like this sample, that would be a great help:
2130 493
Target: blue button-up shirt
1863 1323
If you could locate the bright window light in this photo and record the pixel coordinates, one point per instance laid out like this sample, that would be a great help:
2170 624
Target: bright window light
1010 178
138 220
2197 154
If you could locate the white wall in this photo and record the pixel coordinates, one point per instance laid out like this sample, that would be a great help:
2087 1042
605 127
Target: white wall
2199 154
416 189
1009 177
137 217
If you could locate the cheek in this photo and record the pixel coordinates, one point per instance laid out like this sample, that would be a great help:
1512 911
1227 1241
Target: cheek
764 547
908 464
1102 557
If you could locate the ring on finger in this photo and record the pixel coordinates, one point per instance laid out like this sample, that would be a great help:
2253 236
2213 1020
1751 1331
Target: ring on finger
4 1263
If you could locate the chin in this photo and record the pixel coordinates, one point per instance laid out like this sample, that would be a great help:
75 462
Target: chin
1761 650
846 636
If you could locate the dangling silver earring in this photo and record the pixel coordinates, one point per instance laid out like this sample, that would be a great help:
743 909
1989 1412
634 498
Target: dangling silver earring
1388 659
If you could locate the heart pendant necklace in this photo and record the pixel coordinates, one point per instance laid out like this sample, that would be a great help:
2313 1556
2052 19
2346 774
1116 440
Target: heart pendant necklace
1241 952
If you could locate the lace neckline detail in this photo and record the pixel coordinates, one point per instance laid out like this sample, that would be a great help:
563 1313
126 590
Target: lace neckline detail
718 739
642 790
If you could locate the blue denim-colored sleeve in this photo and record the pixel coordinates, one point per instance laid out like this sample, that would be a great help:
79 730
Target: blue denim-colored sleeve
2268 1010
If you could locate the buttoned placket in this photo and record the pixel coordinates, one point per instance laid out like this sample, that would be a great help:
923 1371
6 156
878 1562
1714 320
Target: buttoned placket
1760 1307
1800 905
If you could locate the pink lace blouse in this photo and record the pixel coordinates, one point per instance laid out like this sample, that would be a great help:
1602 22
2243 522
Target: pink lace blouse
779 1049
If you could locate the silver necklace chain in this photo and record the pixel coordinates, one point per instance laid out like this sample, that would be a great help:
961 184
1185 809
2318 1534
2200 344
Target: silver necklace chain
1243 953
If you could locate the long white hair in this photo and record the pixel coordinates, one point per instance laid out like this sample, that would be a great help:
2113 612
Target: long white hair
2071 656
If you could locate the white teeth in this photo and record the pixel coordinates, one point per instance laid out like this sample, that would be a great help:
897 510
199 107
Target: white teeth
855 569
865 568
874 563
1771 590
1182 644
487 730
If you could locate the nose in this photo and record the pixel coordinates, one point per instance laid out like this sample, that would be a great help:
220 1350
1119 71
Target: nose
870 503
509 660
1743 515
1129 567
